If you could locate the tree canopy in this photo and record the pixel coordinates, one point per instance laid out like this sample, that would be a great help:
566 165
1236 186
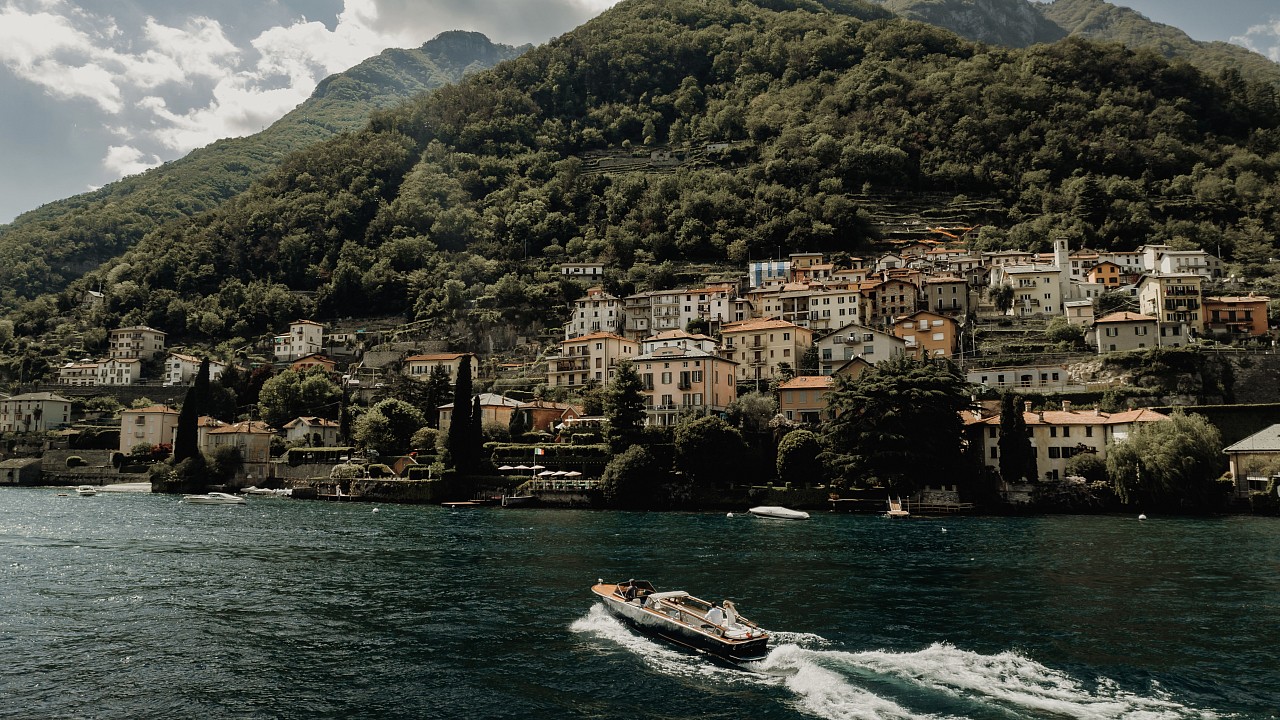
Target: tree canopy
897 424
1172 464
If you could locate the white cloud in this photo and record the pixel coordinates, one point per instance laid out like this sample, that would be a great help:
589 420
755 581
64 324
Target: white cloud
1263 39
126 160
164 88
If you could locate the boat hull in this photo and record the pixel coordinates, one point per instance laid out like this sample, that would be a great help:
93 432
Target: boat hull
657 624
778 513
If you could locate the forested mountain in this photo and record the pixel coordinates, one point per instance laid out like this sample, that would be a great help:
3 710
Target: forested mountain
44 249
668 131
1020 23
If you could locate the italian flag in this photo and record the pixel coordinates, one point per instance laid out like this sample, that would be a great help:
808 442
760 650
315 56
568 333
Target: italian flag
539 451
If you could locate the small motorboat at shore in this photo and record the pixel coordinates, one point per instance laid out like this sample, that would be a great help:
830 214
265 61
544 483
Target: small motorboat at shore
86 491
518 500
680 618
776 512
213 498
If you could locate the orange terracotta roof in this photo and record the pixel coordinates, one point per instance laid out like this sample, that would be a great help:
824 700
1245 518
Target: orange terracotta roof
750 325
434 356
805 382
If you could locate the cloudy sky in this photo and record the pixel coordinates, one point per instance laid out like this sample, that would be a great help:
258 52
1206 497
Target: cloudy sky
92 90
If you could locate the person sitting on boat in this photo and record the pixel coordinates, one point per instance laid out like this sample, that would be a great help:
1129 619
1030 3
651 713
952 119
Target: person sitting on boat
730 614
629 593
715 615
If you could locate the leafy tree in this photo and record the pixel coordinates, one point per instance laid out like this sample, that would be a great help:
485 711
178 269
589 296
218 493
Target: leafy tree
708 449
1017 453
623 408
898 423
1113 301
388 427
1060 330
798 461
752 412
1002 297
1173 464
291 394
1088 466
631 479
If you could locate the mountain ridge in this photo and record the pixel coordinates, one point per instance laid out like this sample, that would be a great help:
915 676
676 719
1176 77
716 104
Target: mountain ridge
45 248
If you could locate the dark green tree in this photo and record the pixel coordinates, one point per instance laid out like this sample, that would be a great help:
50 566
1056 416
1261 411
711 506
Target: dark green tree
475 437
186 436
623 408
388 426
1002 297
439 392
798 461
632 479
460 424
897 424
1017 453
519 424
708 450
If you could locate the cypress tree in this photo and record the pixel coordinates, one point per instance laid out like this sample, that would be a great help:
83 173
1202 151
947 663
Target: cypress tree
476 439
1017 454
186 443
460 422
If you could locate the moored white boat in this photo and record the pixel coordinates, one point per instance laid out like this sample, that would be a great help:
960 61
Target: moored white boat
213 498
685 620
778 513
86 490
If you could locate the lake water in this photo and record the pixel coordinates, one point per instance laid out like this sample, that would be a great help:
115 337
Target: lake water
137 606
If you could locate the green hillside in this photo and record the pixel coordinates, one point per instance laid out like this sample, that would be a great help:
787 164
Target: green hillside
1021 23
43 250
662 133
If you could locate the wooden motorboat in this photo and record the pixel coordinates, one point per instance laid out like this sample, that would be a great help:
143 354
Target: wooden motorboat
778 513
685 620
86 491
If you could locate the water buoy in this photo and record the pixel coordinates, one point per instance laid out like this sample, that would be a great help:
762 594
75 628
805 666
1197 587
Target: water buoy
375 509
729 515
1142 517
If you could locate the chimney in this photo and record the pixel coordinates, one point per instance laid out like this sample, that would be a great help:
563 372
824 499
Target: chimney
1066 406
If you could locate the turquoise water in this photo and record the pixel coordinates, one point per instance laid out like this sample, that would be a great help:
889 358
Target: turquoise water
136 606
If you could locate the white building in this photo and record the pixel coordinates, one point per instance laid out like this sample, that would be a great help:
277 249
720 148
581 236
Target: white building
34 412
305 338
180 369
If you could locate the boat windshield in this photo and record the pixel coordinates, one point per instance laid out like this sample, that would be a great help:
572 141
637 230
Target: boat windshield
668 595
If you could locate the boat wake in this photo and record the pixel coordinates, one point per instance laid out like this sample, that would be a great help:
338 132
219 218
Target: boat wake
805 672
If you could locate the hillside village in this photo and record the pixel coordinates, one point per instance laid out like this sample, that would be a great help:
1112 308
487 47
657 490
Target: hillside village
787 328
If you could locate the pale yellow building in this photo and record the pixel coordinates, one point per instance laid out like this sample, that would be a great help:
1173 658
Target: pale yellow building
589 358
1175 301
152 426
678 379
759 347
420 367
136 343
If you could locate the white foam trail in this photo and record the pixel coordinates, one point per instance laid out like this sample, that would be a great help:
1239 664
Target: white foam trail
825 693
822 682
1018 683
817 690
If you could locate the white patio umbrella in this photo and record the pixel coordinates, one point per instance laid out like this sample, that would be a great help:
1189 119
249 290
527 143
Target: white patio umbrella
505 467
546 473
537 467
559 472
522 467
572 473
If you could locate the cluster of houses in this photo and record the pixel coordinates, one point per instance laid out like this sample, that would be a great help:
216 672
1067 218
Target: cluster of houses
693 348
915 302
